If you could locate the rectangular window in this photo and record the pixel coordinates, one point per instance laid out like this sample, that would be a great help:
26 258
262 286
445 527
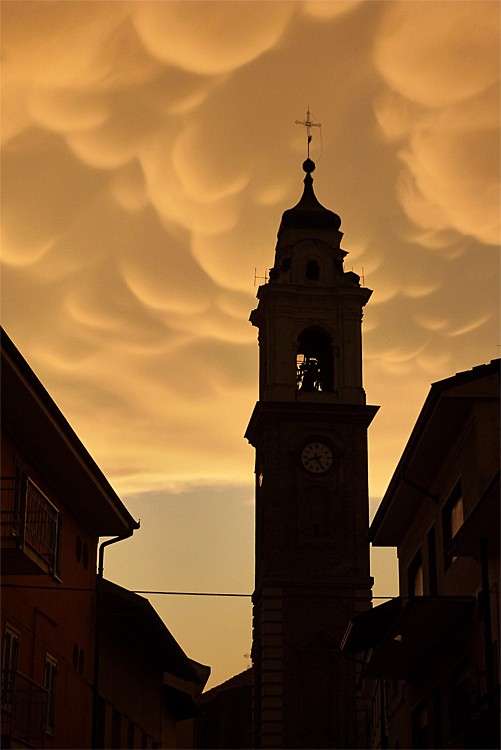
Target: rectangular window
101 721
415 579
10 659
420 726
116 729
432 562
437 717
131 735
38 521
459 700
456 520
452 518
50 694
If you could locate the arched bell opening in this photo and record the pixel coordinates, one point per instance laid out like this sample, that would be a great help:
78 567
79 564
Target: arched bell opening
314 361
312 270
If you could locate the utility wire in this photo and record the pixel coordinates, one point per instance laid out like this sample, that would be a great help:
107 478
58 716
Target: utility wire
168 593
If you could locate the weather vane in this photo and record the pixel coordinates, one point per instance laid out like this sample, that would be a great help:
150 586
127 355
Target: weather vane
309 124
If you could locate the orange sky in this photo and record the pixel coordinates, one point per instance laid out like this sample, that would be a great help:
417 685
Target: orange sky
149 150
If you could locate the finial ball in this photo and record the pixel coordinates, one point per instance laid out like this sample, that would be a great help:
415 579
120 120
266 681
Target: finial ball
308 165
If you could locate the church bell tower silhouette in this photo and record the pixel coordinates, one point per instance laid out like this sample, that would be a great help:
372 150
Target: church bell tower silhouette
309 429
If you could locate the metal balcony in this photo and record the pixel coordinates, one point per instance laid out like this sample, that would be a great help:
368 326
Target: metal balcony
30 529
23 711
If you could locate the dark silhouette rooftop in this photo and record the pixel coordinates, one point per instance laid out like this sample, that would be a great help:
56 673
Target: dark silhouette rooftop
309 213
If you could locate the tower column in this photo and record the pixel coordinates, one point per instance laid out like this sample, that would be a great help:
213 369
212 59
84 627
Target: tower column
269 639
309 429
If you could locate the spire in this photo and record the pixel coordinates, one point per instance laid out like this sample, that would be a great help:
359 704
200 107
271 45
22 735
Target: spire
309 213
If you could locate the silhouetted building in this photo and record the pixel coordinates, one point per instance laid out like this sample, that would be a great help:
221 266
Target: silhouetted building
431 656
225 715
309 429
56 503
147 684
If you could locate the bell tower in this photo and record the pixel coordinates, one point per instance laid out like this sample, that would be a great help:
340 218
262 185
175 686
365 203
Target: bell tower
309 429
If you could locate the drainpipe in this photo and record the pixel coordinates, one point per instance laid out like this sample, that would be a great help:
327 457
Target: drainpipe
486 612
97 640
382 713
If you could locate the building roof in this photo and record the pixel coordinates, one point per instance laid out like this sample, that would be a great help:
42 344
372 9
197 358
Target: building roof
447 406
37 425
131 617
240 680
309 212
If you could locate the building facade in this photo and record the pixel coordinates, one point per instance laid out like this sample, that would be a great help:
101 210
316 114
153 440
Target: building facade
59 671
431 656
309 429
226 715
55 504
148 687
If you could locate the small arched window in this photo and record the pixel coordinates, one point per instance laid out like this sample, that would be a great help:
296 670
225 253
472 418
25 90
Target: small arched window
314 361
312 270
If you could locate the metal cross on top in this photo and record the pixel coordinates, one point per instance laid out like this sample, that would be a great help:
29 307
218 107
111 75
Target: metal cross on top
308 123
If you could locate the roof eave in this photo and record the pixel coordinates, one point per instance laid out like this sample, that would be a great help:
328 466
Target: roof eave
28 412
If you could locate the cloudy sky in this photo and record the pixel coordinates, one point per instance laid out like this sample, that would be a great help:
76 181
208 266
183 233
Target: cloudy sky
149 150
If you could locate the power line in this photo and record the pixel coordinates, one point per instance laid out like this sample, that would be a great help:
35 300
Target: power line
193 593
152 592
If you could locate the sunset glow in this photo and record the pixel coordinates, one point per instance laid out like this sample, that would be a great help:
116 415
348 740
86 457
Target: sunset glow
149 150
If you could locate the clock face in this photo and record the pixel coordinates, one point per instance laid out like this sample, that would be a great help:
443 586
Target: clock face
317 457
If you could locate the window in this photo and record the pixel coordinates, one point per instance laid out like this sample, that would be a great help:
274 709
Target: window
432 562
81 661
131 734
420 726
10 658
116 729
38 522
315 361
437 717
312 270
50 694
452 517
415 576
101 721
85 556
459 700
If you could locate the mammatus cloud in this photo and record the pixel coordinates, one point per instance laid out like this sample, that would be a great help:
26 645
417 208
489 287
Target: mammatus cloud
435 194
330 9
145 169
443 69
189 35
446 55
149 150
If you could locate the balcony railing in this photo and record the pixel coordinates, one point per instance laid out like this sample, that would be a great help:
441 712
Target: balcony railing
30 527
482 722
23 710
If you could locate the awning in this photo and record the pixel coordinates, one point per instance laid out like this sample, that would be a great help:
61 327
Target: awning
398 636
368 629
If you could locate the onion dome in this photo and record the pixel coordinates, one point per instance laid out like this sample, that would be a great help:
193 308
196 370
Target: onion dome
309 213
